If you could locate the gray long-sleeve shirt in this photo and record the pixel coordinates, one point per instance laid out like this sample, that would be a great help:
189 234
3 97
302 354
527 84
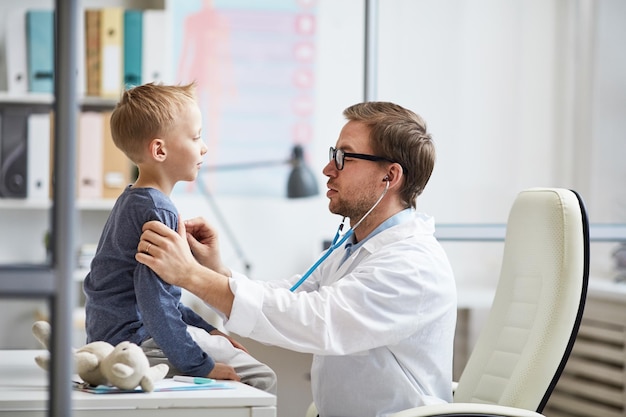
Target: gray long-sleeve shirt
126 300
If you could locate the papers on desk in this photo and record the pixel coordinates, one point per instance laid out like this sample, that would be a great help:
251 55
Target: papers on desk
164 385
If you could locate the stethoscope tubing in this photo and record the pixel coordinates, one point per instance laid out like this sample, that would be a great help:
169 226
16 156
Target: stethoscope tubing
330 250
334 245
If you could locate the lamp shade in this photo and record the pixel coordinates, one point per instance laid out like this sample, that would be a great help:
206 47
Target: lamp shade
301 182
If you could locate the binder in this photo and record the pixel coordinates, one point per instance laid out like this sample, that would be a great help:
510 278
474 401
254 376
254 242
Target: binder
133 23
92 52
51 156
111 51
40 50
116 167
13 153
81 82
156 41
38 157
90 155
15 46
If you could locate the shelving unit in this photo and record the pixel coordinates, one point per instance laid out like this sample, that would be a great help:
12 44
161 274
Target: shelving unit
52 280
27 221
52 277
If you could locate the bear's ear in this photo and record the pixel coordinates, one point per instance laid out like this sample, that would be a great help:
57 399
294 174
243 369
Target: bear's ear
43 361
121 370
41 331
85 361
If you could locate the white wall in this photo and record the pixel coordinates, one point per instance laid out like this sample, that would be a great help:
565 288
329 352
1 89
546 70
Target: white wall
516 94
484 74
283 237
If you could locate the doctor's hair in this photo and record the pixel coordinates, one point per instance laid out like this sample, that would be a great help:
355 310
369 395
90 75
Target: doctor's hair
399 135
146 112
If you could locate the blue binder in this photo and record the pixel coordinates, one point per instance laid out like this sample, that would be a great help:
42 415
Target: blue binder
40 50
133 23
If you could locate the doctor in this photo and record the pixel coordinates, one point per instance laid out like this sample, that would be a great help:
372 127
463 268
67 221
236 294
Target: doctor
379 312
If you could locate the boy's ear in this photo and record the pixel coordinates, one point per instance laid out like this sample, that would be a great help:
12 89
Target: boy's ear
157 149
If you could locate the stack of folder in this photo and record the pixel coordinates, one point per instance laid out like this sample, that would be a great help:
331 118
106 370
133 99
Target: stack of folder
118 48
103 171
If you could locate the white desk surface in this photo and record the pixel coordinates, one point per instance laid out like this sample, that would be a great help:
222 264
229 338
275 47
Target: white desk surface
607 288
24 392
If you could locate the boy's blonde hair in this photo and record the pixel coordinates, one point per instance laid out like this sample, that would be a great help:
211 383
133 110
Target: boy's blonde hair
146 112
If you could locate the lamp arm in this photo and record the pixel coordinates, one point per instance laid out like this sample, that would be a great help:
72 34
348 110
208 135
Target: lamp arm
301 182
246 165
222 220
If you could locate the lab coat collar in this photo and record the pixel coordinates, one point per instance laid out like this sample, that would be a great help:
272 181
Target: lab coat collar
387 232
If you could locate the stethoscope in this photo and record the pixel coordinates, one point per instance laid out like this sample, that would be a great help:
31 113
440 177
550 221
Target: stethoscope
339 240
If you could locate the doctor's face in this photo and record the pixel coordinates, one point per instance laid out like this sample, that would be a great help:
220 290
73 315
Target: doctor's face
354 189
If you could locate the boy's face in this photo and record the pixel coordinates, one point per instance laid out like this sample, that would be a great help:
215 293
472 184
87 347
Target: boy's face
185 145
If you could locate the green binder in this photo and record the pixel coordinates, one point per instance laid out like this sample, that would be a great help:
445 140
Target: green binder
40 50
133 21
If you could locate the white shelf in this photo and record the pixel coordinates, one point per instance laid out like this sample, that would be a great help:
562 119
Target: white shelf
80 274
27 204
31 98
24 204
96 205
48 100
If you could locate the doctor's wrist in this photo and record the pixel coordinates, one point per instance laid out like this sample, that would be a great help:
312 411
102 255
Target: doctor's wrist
225 271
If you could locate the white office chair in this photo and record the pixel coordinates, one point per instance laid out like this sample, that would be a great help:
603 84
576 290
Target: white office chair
531 328
536 312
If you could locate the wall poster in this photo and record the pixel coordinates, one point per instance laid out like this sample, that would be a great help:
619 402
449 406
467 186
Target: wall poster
253 63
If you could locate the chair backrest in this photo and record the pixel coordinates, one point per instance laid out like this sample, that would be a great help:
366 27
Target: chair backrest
538 304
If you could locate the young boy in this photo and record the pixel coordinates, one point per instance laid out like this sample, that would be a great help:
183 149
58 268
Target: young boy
158 128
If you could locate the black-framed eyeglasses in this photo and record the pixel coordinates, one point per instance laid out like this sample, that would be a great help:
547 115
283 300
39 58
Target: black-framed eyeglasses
339 156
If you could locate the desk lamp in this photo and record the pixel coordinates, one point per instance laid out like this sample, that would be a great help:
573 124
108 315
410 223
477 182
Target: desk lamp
301 182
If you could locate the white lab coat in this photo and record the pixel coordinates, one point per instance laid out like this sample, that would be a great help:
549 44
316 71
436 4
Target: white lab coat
380 325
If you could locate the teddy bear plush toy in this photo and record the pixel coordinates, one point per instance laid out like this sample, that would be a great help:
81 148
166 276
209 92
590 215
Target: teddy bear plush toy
124 366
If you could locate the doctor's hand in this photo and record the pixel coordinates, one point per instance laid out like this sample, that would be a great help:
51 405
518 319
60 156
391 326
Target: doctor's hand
166 252
204 243
232 341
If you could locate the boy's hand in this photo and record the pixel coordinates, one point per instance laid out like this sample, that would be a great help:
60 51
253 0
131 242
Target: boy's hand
232 341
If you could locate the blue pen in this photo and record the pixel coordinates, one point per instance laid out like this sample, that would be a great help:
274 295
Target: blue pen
193 379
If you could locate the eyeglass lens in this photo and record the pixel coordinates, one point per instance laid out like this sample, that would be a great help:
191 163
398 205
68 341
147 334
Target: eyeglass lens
337 155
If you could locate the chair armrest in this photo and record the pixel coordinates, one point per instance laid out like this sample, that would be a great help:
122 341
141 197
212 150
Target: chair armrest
466 410
311 411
